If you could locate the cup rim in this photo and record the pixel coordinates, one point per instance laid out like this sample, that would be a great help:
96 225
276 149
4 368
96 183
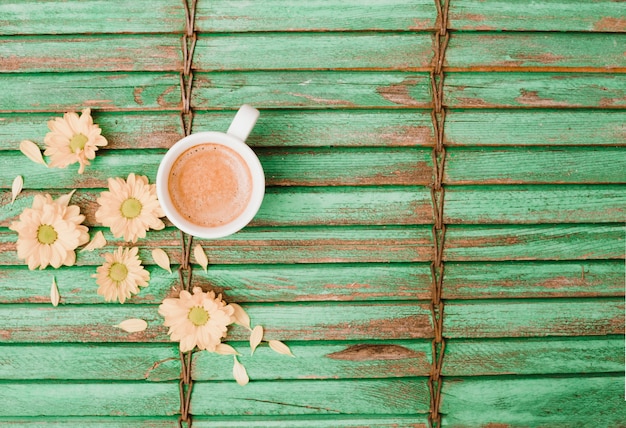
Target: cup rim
207 137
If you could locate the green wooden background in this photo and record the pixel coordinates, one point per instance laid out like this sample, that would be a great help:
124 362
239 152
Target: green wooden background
336 263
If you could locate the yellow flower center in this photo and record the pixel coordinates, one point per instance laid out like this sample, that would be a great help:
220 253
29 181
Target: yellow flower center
46 234
198 316
131 208
78 142
118 272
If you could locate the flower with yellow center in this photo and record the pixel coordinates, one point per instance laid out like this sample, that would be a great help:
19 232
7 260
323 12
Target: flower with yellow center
49 232
121 275
199 319
130 207
73 139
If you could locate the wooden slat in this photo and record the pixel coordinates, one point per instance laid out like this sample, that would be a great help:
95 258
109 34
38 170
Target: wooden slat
94 16
92 422
262 283
282 167
534 356
90 53
501 90
535 128
77 399
160 362
337 51
393 397
554 402
315 15
535 165
534 318
520 15
516 279
549 51
133 130
535 204
334 421
318 89
330 321
75 91
535 242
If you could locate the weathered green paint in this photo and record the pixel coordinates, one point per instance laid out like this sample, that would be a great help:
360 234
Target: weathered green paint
95 422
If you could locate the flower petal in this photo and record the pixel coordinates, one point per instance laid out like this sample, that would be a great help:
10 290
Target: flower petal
132 325
280 347
98 241
32 152
18 184
239 373
65 199
161 258
54 293
240 316
224 349
255 338
201 257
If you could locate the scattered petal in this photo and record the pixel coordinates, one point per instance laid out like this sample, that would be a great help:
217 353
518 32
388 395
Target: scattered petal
240 316
239 373
201 257
280 347
98 241
255 338
224 349
161 259
54 293
65 199
32 152
132 325
18 184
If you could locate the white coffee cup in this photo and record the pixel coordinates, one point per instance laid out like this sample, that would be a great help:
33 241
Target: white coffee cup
234 139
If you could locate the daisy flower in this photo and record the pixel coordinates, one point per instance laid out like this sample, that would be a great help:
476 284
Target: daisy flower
121 275
73 139
49 232
130 207
199 319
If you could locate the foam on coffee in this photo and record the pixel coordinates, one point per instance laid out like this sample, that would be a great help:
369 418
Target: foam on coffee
210 185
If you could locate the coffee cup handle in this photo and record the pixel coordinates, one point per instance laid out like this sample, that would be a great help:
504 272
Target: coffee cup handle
243 122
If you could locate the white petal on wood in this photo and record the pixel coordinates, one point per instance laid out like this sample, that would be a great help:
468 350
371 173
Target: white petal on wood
255 338
241 317
16 188
201 257
160 257
98 241
32 152
224 349
239 373
132 325
54 293
65 199
280 347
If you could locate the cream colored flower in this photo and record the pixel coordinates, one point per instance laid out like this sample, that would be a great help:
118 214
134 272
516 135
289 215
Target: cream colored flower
73 139
49 232
199 319
130 207
121 275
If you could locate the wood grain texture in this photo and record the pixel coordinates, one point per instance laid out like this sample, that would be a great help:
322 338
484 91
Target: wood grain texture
315 15
504 90
58 92
519 280
242 283
506 51
319 321
549 401
534 318
95 422
531 356
32 54
517 15
96 16
535 128
335 51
